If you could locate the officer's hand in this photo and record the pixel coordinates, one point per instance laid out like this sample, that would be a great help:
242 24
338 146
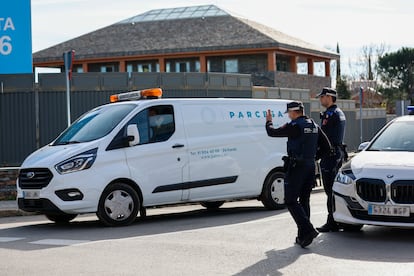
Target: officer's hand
268 116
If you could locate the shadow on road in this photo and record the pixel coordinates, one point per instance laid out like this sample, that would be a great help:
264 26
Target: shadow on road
151 225
374 244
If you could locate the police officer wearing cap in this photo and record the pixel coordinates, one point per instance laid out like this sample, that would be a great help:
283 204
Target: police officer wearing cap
304 139
333 124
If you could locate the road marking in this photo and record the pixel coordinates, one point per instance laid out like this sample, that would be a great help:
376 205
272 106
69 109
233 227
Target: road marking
59 242
10 239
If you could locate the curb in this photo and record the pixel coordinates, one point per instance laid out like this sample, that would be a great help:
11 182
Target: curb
14 213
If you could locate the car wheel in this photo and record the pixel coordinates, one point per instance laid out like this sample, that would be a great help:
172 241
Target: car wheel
351 227
212 205
273 194
61 218
119 205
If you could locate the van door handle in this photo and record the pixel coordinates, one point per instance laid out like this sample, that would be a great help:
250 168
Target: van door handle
176 146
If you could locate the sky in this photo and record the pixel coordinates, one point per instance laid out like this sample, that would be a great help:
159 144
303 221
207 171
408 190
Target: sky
351 23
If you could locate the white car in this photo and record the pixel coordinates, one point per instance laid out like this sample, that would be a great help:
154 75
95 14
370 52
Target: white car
376 187
122 157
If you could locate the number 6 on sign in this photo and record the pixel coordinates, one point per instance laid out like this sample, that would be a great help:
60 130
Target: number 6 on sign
5 45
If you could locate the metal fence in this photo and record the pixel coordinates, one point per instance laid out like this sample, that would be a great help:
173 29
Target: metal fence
32 115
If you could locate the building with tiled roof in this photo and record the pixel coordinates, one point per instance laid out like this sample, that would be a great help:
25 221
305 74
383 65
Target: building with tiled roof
192 39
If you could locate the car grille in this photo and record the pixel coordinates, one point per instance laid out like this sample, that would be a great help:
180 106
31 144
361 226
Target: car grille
372 190
34 178
402 191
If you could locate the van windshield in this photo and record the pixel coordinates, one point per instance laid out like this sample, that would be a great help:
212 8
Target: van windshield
399 136
94 124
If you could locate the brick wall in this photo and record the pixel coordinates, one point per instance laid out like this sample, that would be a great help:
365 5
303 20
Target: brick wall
292 80
8 184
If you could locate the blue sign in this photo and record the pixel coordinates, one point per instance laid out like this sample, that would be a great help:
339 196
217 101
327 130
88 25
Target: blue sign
15 37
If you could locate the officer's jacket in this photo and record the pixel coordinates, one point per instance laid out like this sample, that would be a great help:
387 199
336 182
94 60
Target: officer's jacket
333 124
305 138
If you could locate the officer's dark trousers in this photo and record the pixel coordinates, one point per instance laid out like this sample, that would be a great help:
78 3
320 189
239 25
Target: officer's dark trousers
298 186
329 169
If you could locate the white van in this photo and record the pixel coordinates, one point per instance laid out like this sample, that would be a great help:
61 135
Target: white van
142 151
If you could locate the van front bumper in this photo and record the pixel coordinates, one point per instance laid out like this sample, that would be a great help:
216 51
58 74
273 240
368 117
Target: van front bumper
43 206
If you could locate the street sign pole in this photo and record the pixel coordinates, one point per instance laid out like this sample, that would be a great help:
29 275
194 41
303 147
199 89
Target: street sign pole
67 95
361 95
68 61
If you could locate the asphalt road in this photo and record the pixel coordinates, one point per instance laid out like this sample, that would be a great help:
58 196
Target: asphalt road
242 238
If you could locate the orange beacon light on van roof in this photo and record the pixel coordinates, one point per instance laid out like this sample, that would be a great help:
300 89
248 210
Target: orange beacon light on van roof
153 93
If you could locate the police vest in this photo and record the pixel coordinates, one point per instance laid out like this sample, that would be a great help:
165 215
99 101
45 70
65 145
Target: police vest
305 145
335 130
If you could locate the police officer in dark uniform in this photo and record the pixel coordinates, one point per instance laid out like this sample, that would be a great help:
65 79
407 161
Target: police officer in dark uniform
333 124
304 136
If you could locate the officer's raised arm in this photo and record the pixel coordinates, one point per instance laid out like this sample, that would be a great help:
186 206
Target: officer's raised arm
287 130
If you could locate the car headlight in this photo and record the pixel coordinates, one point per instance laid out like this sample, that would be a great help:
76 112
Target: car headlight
345 175
79 162
343 178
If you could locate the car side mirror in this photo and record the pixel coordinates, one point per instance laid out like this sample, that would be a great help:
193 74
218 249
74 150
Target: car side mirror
363 146
133 135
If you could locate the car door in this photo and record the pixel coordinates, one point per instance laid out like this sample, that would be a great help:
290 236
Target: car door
159 163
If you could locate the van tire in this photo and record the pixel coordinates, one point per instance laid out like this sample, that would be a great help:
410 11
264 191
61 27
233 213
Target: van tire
61 218
212 205
272 195
119 205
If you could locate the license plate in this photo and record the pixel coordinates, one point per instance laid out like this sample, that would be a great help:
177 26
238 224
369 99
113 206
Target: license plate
32 194
394 211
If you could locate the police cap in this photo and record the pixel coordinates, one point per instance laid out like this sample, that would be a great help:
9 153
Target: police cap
326 91
296 105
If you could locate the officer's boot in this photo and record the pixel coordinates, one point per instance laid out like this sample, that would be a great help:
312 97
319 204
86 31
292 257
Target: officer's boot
329 226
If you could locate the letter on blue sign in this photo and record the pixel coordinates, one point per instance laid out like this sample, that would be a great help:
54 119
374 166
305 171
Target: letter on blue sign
231 114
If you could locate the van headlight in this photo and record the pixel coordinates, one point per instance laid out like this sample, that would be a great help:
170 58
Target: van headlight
79 162
343 178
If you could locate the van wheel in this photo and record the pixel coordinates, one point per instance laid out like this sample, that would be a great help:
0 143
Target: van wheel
273 194
61 218
212 205
119 205
351 227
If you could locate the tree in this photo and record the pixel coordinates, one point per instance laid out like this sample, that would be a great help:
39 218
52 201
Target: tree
397 70
342 89
338 65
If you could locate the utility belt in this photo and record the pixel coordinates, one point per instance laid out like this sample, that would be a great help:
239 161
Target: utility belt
291 162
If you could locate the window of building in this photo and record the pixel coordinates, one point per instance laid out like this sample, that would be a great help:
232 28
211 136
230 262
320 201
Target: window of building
143 66
103 67
231 66
283 63
182 65
107 68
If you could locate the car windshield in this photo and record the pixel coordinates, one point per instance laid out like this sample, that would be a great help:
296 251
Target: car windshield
398 136
95 124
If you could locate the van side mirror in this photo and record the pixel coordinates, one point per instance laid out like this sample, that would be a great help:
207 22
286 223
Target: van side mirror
363 146
133 135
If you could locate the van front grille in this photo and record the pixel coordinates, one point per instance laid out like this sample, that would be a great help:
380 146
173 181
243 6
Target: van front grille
34 178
